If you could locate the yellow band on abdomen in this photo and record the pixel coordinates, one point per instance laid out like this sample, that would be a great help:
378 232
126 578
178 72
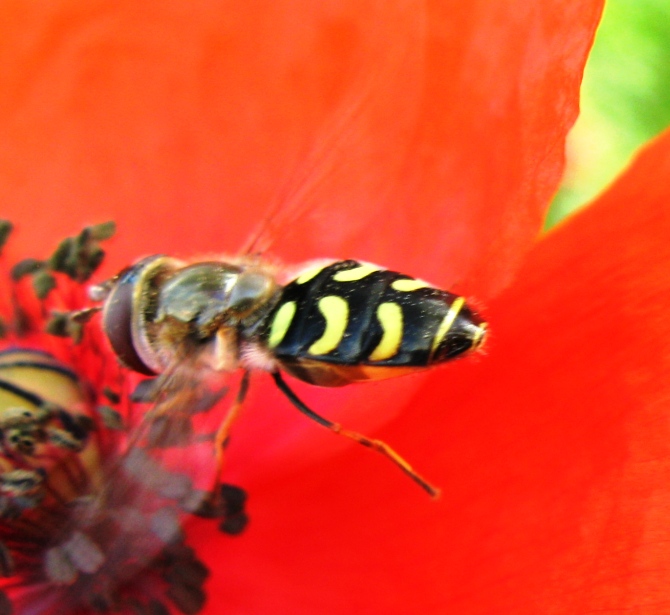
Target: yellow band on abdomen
407 285
336 312
355 274
281 322
446 323
390 319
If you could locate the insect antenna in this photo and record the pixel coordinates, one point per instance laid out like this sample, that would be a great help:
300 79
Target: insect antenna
377 445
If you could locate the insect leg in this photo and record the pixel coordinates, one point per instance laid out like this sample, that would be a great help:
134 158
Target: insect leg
377 445
224 429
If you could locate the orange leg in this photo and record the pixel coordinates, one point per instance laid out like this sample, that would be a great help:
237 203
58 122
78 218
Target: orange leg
223 431
377 445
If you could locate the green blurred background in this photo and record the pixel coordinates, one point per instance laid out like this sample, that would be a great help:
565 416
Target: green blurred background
625 99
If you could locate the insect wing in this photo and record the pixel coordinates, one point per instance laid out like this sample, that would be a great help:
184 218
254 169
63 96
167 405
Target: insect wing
334 185
85 519
172 449
132 527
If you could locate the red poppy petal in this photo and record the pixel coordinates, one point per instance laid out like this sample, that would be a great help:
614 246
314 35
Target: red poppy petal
553 452
164 127
427 136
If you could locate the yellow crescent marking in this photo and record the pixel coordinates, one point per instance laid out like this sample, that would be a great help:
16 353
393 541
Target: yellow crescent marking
310 274
281 322
336 312
408 285
357 273
390 318
446 323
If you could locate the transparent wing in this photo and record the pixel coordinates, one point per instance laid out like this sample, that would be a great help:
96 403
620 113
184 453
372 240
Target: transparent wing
183 409
345 172
175 448
298 195
128 533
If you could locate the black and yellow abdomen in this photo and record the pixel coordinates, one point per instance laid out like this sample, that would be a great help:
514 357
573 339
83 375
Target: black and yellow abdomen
351 321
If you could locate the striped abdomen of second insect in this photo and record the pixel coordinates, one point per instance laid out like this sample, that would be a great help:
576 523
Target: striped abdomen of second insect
351 321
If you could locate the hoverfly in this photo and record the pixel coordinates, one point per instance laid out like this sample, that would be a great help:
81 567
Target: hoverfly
331 324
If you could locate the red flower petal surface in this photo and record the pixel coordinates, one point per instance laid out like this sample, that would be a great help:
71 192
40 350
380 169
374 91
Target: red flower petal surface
553 452
421 135
429 142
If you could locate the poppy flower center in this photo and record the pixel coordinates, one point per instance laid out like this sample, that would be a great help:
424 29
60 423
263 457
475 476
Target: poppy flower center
88 520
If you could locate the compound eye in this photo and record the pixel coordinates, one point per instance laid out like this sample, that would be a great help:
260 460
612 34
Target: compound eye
117 319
